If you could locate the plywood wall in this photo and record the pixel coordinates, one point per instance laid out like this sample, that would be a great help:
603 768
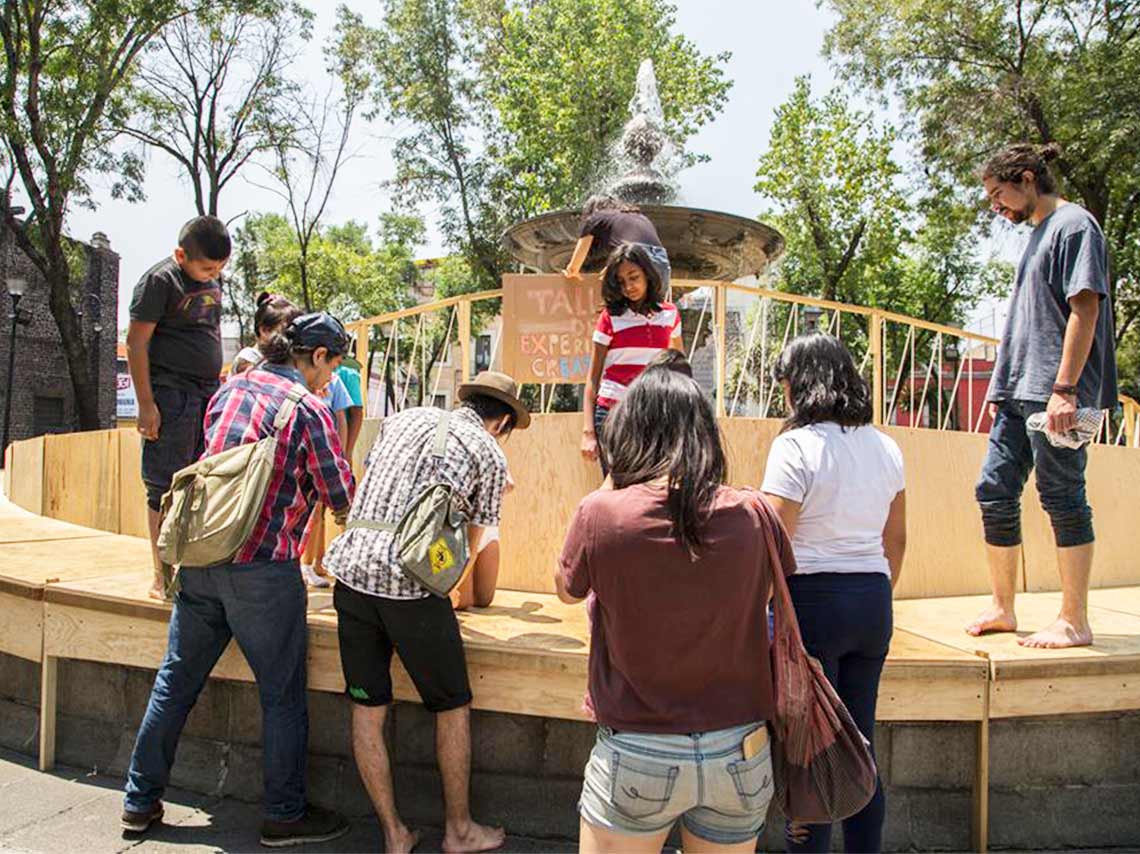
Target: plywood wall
132 493
1113 477
26 486
81 478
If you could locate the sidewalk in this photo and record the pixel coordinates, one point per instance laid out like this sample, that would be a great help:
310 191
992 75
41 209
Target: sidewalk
70 810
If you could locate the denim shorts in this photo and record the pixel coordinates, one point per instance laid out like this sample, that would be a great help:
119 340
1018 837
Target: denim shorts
641 783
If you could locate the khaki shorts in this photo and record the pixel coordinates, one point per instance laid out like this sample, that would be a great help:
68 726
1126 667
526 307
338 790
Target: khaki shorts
641 783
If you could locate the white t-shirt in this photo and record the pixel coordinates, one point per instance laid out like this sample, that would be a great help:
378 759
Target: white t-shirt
844 480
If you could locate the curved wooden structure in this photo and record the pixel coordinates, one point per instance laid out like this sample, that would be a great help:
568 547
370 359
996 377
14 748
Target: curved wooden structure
75 565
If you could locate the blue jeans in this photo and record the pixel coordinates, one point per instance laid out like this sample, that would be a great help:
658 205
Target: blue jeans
1013 452
846 622
601 413
263 606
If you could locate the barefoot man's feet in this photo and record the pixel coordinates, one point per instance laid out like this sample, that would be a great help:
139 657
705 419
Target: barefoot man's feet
476 838
1059 635
993 619
402 842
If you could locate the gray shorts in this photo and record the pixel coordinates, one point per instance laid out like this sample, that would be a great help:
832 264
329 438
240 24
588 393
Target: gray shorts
641 783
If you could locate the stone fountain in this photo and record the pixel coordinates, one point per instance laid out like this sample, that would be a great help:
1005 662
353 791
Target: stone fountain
702 244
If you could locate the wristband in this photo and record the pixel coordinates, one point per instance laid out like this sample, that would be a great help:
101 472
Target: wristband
1061 388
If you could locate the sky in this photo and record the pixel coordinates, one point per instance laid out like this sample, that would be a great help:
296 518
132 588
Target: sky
771 43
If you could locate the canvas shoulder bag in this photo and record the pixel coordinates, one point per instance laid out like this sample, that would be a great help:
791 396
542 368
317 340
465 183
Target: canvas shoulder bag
431 536
213 504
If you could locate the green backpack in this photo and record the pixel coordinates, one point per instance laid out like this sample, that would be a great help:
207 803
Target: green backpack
431 536
213 505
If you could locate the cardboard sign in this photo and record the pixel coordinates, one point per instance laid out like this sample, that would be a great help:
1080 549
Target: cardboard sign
548 324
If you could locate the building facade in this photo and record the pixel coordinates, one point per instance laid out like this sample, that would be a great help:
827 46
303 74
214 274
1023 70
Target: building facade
43 400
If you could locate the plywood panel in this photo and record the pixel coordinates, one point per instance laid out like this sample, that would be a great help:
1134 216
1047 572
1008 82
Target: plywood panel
746 445
551 478
369 430
132 493
27 485
26 527
75 632
81 478
64 560
1112 475
945 549
1116 634
21 626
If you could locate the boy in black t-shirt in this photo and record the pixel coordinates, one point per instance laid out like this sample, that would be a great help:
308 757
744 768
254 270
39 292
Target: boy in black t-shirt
174 351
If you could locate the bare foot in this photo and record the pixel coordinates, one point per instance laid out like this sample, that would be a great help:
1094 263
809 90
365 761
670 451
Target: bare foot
1060 634
402 842
157 591
993 619
476 838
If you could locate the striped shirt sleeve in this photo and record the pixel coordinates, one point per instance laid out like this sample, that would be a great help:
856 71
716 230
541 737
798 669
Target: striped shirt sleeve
604 331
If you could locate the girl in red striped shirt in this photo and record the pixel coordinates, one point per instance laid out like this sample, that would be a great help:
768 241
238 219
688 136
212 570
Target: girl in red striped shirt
636 324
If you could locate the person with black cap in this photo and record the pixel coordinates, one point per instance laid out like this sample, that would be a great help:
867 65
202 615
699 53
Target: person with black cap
257 597
380 608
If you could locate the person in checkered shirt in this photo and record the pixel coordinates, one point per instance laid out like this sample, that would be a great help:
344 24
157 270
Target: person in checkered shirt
380 609
258 598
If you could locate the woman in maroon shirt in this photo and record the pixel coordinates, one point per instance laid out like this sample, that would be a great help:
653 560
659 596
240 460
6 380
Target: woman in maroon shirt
679 673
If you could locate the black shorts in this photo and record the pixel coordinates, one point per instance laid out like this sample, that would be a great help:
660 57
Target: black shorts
425 634
180 439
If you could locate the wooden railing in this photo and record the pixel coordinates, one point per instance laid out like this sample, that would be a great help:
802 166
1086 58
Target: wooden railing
922 374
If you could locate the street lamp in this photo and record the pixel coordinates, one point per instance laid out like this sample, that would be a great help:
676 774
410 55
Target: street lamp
16 290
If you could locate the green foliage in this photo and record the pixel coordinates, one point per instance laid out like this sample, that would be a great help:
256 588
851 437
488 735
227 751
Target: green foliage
856 232
509 108
975 75
347 275
560 75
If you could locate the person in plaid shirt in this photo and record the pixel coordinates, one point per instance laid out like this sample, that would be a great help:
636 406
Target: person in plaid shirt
257 598
381 609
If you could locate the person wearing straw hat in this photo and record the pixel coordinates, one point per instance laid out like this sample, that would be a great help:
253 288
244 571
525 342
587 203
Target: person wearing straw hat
380 608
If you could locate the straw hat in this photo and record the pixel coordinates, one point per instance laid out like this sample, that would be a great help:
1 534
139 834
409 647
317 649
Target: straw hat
501 387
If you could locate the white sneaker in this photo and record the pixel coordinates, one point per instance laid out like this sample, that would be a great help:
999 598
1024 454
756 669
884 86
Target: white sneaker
311 577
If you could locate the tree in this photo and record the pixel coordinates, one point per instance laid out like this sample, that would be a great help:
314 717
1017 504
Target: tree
214 92
344 273
560 75
422 65
63 89
855 231
978 74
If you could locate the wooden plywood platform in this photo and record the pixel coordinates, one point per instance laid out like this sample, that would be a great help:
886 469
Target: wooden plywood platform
1102 677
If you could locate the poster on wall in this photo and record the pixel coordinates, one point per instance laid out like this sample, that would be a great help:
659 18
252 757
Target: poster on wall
548 321
126 404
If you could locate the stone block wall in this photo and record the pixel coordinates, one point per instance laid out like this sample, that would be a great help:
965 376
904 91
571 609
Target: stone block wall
1059 782
40 368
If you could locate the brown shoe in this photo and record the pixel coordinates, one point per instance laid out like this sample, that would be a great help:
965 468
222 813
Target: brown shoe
316 825
140 822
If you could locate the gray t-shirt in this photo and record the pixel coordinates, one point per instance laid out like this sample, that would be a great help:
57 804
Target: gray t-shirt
1066 255
186 350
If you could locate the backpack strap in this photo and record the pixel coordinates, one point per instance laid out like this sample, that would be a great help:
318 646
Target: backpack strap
389 527
294 396
440 447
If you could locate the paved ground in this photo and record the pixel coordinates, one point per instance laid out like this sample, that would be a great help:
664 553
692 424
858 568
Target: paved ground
74 811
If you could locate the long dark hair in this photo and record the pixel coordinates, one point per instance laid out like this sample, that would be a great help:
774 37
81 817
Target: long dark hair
825 384
665 427
611 290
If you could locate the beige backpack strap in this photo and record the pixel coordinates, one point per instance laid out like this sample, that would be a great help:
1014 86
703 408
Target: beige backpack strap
440 447
295 395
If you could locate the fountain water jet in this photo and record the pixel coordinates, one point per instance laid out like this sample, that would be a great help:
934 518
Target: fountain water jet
702 244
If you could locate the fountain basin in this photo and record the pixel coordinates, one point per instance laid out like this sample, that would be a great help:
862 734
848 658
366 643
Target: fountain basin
702 244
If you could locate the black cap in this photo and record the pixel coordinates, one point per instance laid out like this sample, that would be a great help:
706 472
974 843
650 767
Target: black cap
319 329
